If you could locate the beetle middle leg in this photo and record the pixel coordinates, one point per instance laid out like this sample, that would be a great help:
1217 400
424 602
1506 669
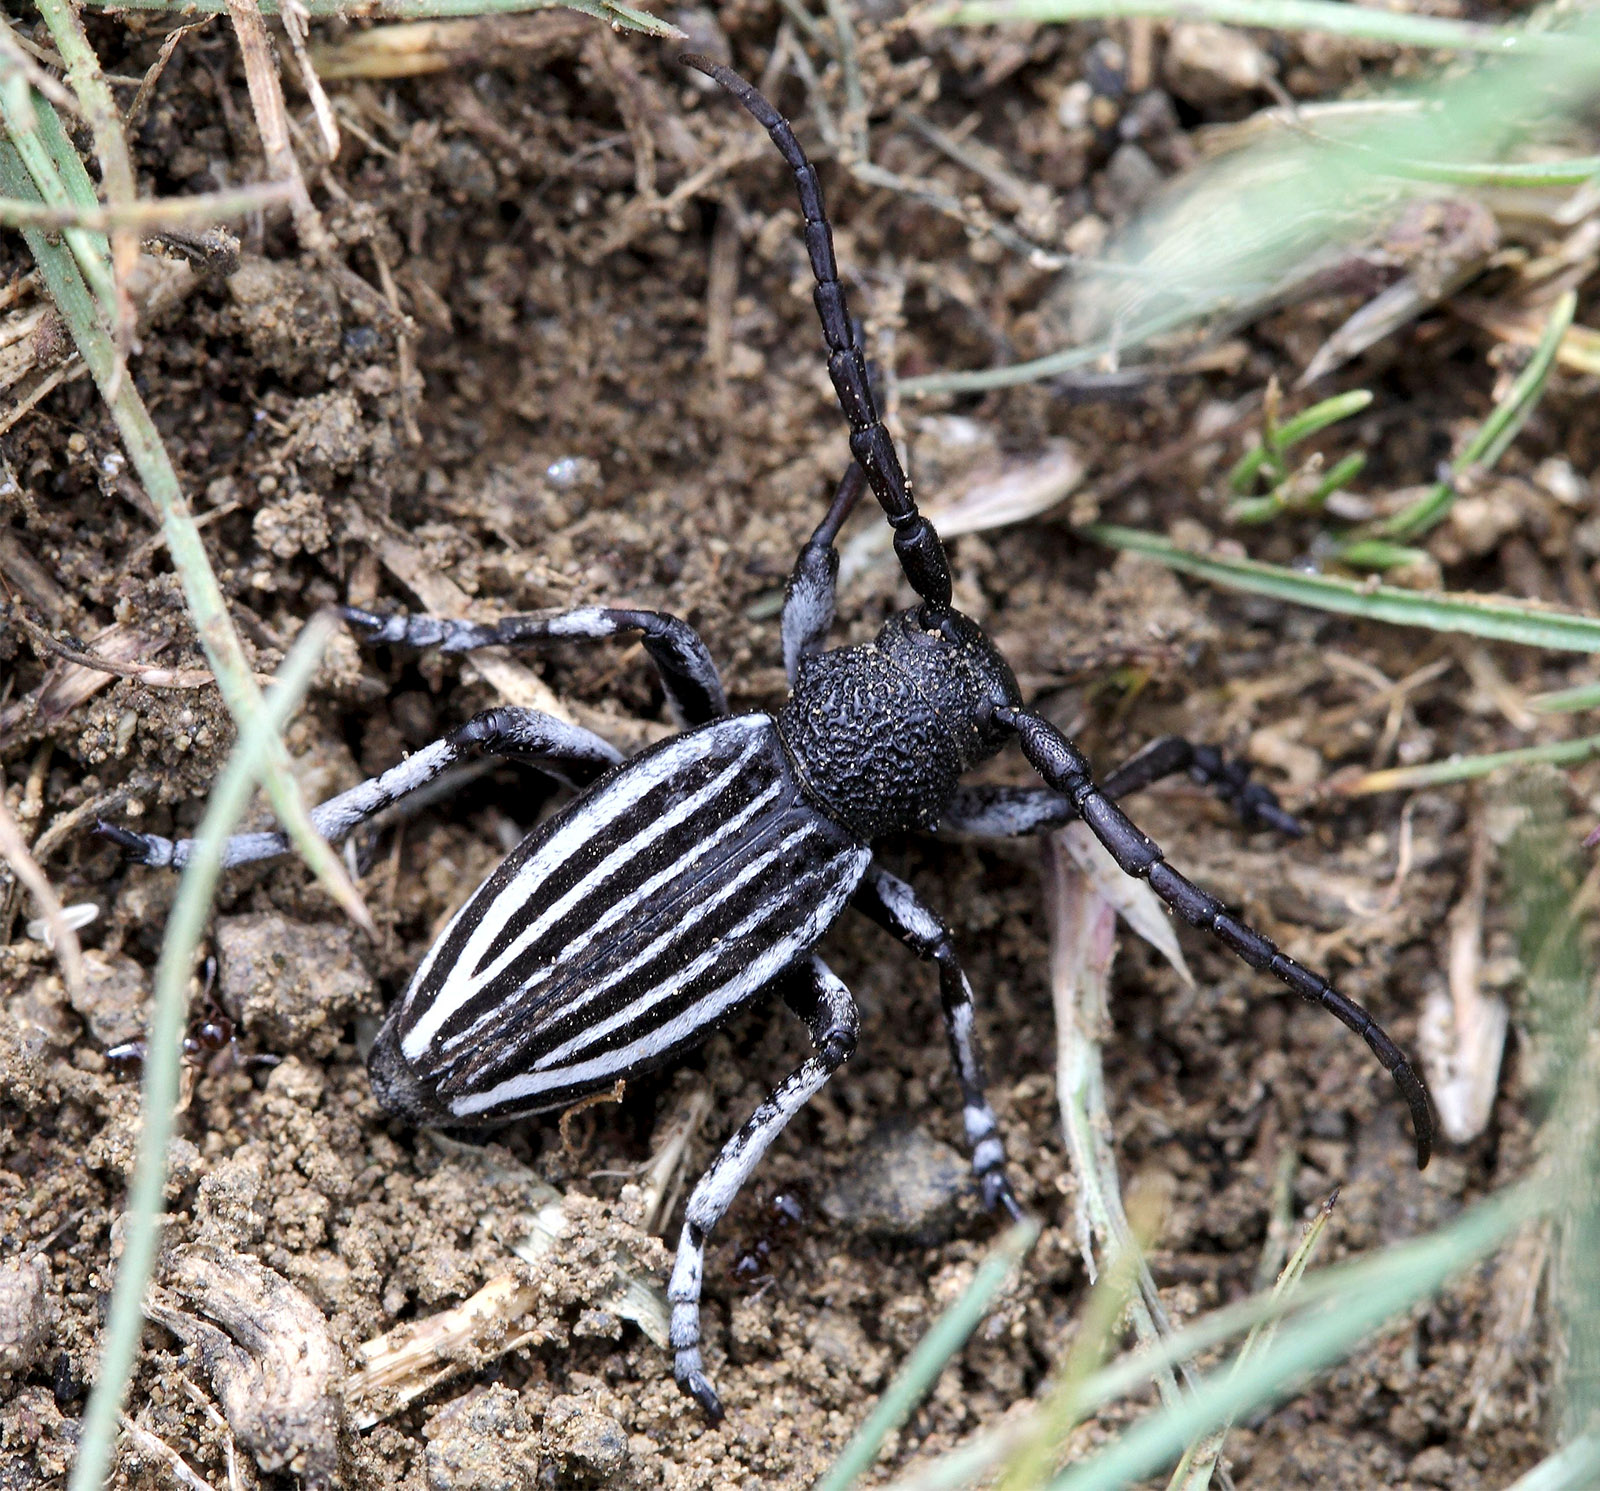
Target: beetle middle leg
688 675
894 905
815 993
1007 812
570 752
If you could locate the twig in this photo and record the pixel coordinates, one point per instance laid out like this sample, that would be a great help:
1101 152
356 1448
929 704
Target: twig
147 85
146 673
295 18
63 940
164 1452
68 824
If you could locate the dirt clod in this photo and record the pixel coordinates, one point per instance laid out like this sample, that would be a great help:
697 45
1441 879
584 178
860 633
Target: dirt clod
483 1441
583 1439
266 1349
290 985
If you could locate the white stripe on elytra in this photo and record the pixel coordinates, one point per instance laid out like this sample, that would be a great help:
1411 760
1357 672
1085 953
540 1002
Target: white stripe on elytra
701 1015
571 952
625 854
625 790
652 950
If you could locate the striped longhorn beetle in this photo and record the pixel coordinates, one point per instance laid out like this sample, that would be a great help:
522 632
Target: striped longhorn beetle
683 885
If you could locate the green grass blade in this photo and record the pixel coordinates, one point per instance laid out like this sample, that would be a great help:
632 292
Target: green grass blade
1567 701
1333 1288
1498 431
932 1355
224 651
1467 768
190 909
1224 244
1493 617
1575 1468
1199 1461
1327 16
1309 1342
1493 175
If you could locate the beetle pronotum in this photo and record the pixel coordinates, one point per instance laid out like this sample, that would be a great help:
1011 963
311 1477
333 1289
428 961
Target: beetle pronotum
684 884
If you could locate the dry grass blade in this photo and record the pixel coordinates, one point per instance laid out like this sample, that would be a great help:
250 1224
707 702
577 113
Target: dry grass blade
400 1366
14 850
73 299
1462 1032
272 120
1132 900
1200 1461
150 215
1082 945
624 17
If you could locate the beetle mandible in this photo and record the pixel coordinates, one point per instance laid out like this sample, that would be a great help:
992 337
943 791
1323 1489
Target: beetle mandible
683 885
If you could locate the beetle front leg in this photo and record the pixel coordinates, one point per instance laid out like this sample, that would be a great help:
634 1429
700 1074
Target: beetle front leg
569 752
894 905
817 995
808 596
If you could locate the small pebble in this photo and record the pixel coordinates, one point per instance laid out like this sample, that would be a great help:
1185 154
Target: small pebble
27 1313
904 1184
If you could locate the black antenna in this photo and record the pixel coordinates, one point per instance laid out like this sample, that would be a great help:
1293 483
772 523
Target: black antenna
915 541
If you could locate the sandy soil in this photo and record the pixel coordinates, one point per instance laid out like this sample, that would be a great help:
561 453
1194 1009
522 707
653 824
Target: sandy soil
618 397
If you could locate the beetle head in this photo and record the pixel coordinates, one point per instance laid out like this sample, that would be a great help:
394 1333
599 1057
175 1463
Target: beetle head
959 671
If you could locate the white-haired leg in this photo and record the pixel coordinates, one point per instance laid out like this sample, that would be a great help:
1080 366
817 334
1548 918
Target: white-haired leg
816 994
575 755
894 905
689 677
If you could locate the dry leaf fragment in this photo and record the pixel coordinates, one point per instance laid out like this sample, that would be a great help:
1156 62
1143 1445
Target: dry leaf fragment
1135 902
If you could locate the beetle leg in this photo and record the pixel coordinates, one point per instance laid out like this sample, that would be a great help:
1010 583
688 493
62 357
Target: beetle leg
808 597
1065 768
816 994
570 752
1003 812
894 905
688 675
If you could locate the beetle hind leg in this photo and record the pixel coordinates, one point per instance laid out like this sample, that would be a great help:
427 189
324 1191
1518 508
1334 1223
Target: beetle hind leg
816 994
1008 812
568 752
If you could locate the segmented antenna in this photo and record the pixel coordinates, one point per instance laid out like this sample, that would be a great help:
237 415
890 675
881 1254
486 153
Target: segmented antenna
915 541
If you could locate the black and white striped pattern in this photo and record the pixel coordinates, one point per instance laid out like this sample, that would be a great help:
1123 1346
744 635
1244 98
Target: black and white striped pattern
622 931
